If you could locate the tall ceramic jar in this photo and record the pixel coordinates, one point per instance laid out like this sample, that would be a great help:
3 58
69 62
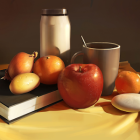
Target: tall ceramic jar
55 30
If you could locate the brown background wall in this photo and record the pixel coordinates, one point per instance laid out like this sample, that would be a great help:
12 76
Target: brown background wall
116 21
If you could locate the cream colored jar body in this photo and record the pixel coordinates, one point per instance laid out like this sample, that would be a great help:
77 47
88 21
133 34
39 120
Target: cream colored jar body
55 33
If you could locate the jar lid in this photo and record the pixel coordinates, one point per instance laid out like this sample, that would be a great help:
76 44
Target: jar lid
54 12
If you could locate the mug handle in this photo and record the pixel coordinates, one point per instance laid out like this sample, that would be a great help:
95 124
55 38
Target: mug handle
75 55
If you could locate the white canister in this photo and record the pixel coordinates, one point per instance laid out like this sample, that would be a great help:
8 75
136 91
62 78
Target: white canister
55 33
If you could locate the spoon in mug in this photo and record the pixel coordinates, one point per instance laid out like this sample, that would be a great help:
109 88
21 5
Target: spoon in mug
84 41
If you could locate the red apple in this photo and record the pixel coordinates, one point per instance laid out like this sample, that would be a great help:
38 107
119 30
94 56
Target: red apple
80 85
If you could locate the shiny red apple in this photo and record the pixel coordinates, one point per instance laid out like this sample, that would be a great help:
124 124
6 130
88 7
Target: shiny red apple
80 85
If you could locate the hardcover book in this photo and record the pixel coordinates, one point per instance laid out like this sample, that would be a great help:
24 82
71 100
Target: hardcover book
14 107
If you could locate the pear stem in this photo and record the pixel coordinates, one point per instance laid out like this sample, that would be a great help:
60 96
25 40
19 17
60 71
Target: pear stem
34 54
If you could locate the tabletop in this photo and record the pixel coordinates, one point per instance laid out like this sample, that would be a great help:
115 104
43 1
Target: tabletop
59 121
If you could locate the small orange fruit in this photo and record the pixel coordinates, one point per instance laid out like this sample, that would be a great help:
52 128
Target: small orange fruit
127 82
48 69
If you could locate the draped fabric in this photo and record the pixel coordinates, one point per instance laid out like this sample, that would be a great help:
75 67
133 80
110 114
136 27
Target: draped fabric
101 121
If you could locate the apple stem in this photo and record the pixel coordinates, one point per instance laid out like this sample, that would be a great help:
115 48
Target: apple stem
80 68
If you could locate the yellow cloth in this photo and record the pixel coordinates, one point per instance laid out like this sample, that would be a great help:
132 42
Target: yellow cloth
99 122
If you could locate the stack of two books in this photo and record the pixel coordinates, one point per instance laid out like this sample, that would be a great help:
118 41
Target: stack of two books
14 107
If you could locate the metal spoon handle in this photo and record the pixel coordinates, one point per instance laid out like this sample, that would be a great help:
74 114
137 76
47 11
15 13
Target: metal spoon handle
84 41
